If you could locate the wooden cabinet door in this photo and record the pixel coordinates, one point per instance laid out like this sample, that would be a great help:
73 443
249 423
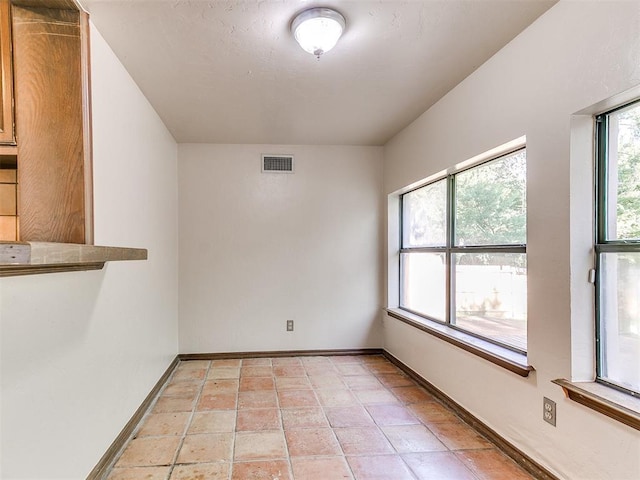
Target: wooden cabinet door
50 125
6 77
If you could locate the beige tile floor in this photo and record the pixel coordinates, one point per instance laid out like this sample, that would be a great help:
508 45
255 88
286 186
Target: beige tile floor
304 418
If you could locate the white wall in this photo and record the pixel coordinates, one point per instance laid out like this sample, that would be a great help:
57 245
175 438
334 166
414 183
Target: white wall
575 55
258 249
80 351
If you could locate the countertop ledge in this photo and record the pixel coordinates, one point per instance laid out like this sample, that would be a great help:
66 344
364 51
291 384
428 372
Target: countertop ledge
28 258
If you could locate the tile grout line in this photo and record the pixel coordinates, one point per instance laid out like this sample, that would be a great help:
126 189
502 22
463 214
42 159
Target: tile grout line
449 450
193 411
404 405
272 376
284 435
324 412
138 427
235 423
364 406
353 474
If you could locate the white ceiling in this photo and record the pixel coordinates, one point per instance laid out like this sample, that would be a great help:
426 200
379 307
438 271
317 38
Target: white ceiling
229 71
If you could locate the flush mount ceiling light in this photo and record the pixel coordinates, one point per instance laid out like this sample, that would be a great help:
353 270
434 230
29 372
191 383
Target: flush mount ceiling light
317 30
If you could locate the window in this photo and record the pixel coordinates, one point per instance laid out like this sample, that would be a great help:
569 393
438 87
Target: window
618 248
463 253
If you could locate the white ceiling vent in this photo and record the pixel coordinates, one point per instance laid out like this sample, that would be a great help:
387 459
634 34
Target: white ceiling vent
277 163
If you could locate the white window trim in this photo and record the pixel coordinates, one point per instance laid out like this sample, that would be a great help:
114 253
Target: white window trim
582 259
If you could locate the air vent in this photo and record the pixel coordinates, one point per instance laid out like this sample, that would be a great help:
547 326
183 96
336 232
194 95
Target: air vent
277 163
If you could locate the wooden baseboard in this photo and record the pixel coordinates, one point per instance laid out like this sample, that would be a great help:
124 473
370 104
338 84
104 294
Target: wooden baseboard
110 455
278 353
527 463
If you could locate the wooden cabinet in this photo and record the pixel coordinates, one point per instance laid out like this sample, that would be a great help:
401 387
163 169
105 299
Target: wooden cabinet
7 135
44 57
52 174
8 164
8 198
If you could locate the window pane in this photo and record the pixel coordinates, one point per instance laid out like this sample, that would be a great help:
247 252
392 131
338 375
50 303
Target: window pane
620 319
491 202
491 296
424 214
423 288
623 174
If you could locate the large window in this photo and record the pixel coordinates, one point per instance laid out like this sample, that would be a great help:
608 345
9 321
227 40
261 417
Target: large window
618 248
463 254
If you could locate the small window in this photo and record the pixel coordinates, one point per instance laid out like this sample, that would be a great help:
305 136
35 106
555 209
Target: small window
618 248
463 255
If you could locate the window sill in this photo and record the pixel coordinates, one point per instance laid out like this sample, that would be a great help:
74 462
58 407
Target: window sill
503 357
29 258
608 401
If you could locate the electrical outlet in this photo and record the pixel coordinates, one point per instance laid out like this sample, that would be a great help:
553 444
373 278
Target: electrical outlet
549 411
289 325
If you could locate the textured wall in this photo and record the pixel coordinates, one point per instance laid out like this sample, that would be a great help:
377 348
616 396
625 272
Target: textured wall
257 249
575 55
80 351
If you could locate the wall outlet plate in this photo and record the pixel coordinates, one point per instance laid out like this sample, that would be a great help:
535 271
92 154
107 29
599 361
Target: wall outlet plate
549 411
289 325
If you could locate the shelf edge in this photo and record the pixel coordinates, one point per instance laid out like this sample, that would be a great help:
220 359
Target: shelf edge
30 258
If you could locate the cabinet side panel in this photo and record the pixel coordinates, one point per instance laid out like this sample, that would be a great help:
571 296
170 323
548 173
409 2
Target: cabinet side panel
85 65
49 124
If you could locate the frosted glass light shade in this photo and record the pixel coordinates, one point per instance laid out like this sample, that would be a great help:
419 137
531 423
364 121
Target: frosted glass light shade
317 30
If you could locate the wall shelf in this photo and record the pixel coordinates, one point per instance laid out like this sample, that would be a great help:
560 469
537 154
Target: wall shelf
30 258
610 402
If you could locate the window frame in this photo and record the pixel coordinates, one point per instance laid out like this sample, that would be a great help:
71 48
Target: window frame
450 249
602 244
